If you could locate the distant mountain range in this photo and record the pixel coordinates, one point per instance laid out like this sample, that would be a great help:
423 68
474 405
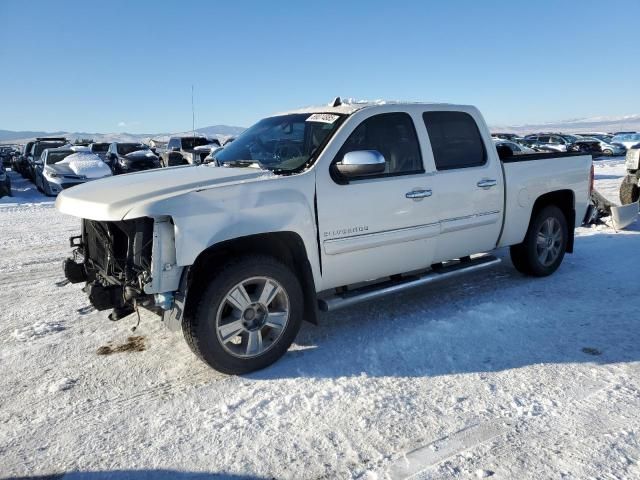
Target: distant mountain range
215 131
577 125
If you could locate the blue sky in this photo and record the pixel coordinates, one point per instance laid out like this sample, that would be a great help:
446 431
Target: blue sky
114 66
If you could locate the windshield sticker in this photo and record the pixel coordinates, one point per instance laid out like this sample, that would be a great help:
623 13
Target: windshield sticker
323 118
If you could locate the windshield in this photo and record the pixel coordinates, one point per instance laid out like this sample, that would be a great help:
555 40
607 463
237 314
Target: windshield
627 137
284 143
570 138
188 143
40 147
99 147
55 157
126 148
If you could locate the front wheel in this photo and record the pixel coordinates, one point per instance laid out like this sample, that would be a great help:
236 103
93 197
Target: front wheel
247 317
608 152
544 245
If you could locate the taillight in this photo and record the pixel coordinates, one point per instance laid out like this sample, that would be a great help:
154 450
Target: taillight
591 179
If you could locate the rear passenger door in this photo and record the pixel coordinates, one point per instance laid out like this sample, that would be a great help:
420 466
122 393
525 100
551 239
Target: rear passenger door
468 185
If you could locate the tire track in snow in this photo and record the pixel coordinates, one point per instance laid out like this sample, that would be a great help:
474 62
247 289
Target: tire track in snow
430 455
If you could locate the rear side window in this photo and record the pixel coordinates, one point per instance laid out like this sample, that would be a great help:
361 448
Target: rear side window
455 140
394 136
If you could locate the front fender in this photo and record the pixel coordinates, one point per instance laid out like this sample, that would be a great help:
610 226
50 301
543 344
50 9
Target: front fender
207 217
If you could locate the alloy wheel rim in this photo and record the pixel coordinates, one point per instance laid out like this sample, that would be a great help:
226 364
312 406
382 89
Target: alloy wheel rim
549 241
252 317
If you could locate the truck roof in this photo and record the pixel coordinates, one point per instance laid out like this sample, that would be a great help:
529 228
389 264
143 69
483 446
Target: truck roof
349 106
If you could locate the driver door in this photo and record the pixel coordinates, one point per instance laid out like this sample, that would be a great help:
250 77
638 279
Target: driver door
379 225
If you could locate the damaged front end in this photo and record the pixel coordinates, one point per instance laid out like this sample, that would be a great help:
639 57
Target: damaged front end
126 264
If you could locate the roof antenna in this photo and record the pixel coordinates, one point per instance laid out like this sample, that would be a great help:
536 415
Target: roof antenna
336 102
193 115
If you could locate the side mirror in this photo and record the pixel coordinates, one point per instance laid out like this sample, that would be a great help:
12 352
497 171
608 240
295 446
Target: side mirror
361 162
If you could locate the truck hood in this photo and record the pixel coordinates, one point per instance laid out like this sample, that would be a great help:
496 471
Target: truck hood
110 199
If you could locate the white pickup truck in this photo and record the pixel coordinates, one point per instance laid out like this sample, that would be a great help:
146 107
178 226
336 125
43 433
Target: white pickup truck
318 209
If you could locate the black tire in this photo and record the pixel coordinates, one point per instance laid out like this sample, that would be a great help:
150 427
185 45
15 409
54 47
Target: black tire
526 255
200 330
608 152
629 190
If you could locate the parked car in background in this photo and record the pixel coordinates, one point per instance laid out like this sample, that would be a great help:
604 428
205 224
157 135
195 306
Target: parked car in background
630 187
39 146
515 148
184 150
5 156
585 145
131 157
100 149
19 163
61 168
627 140
5 182
504 136
558 142
211 157
606 147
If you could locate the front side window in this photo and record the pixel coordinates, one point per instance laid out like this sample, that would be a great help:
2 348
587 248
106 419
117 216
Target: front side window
55 157
455 140
391 134
283 144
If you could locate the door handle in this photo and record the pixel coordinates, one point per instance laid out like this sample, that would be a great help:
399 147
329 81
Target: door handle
418 194
487 183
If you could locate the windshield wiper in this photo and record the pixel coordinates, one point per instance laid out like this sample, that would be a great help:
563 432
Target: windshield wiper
245 163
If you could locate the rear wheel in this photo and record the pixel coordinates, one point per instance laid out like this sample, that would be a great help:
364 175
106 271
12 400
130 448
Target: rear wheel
247 317
629 190
544 246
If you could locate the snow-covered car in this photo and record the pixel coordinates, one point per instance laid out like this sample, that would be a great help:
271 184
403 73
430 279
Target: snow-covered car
627 140
131 157
187 150
318 209
5 182
64 167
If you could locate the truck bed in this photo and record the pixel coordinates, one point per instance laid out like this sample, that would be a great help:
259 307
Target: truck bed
529 176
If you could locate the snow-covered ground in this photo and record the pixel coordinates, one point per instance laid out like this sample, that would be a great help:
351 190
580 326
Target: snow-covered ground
495 375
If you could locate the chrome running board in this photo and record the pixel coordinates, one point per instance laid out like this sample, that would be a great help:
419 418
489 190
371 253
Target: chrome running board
371 292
